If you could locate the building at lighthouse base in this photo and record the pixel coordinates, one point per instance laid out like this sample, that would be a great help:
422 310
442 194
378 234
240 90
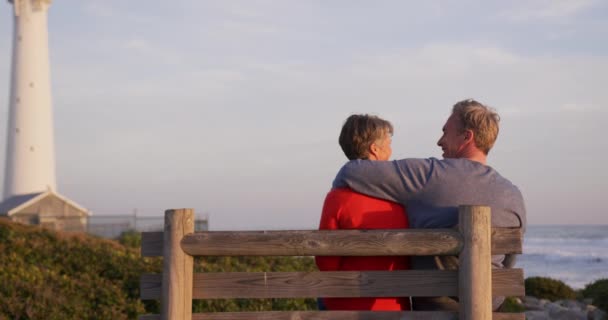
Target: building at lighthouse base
47 209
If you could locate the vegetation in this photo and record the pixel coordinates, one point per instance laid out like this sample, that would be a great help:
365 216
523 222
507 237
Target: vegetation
550 289
46 275
598 292
131 239
50 275
512 305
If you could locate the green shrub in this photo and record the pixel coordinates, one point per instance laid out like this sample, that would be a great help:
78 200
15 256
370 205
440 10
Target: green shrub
131 239
598 292
547 288
51 275
512 305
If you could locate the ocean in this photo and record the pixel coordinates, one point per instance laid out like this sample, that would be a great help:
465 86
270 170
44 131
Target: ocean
576 255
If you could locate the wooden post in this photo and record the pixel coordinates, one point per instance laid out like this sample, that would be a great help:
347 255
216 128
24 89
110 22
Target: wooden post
475 273
176 299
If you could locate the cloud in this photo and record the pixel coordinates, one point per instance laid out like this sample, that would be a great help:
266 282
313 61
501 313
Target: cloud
550 9
138 45
140 48
576 107
235 27
513 111
233 8
98 9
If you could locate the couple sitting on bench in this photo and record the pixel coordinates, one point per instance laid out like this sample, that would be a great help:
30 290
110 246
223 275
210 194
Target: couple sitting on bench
370 192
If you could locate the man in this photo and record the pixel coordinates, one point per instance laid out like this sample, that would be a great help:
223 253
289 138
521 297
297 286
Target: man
432 189
363 137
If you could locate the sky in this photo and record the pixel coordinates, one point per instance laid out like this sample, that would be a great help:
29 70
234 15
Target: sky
234 108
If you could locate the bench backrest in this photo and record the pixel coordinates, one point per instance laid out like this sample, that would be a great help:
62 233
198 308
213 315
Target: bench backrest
474 283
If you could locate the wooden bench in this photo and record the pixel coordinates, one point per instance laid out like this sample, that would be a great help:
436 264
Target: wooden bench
474 283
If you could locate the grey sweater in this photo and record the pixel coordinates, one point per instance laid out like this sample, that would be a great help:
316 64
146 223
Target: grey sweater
432 189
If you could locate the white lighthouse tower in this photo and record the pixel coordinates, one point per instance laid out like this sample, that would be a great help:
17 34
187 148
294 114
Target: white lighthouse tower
30 187
30 152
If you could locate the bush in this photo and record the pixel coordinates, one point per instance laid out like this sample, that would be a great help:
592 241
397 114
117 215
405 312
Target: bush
131 239
550 289
512 305
598 292
52 275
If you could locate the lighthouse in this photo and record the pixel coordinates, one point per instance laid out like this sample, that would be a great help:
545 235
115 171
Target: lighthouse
30 187
30 152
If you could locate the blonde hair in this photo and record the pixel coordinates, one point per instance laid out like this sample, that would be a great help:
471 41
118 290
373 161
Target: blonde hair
359 132
480 119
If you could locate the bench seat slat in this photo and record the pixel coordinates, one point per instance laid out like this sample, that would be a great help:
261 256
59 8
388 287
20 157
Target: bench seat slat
418 283
336 315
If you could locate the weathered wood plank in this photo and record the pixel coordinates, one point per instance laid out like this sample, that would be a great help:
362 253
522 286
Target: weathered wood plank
507 241
475 263
388 242
324 242
336 315
152 244
508 282
419 283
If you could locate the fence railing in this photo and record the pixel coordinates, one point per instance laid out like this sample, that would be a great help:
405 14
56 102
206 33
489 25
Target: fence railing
474 283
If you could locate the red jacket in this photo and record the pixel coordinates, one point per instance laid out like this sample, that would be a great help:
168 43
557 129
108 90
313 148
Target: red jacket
346 209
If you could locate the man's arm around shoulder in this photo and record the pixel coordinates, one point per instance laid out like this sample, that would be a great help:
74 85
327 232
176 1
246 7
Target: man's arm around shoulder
397 180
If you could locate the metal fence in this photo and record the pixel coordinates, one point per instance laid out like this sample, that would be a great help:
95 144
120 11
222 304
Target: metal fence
112 226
